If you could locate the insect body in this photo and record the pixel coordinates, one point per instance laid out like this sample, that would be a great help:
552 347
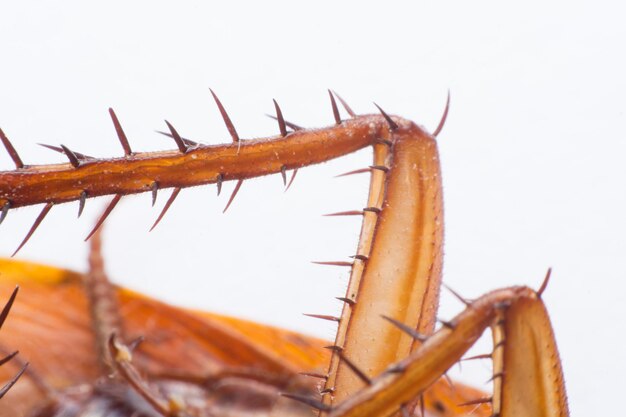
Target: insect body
386 355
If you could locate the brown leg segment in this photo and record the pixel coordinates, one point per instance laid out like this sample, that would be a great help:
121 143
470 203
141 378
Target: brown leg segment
532 377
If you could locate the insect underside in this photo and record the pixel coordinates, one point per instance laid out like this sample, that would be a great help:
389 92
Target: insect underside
80 334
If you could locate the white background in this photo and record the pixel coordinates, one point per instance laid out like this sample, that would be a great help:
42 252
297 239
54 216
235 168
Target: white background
533 151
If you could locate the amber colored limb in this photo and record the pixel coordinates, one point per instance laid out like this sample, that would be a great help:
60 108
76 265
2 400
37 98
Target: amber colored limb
532 385
401 276
204 164
532 380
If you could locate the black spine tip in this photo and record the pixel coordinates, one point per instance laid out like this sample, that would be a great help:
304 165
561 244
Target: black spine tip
182 147
333 103
392 125
71 156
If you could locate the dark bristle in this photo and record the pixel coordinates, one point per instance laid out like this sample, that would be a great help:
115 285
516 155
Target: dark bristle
345 105
334 348
7 306
392 125
12 381
182 147
227 121
346 300
476 402
406 329
187 142
283 174
442 122
5 210
312 402
71 156
155 191
354 172
120 133
38 220
314 375
80 156
333 263
233 194
345 213
355 369
104 215
8 358
290 125
167 206
81 202
335 108
218 182
11 150
279 117
458 296
475 357
544 284
323 317
293 177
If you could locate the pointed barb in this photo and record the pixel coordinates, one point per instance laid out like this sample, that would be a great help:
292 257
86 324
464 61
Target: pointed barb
80 156
356 171
5 210
345 213
218 181
447 324
120 133
71 156
293 177
283 173
458 296
8 358
323 317
406 329
476 402
334 348
495 376
333 263
392 125
167 206
346 300
38 220
374 210
363 258
281 121
12 381
186 141
155 191
81 202
544 284
380 168
314 375
475 357
355 369
104 215
227 121
345 105
442 122
312 402
290 125
335 108
7 306
182 147
11 150
233 194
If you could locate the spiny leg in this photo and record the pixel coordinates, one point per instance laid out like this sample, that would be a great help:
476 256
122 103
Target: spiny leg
528 380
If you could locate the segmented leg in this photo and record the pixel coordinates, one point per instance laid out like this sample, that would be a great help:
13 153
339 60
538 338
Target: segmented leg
528 379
